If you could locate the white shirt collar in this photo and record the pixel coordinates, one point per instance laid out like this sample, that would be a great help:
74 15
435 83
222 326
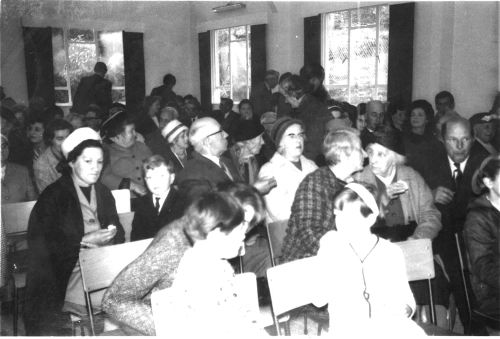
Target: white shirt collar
462 165
213 158
162 197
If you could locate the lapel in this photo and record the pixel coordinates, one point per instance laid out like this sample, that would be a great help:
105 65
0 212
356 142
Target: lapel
168 202
67 183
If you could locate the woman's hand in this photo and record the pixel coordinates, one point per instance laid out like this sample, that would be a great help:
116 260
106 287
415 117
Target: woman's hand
395 189
99 238
265 185
139 189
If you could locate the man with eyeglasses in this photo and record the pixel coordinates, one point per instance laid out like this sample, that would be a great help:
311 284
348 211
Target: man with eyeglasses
450 180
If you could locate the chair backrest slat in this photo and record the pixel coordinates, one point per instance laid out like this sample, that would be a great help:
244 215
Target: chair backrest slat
419 259
126 221
15 216
276 232
289 284
100 266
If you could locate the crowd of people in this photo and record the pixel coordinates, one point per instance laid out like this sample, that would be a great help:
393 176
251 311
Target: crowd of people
348 180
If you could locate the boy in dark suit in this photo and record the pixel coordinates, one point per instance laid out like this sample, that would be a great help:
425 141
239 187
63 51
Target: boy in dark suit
158 207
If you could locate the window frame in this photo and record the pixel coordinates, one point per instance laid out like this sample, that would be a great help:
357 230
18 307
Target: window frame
324 49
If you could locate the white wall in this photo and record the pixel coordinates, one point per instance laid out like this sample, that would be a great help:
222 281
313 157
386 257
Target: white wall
455 48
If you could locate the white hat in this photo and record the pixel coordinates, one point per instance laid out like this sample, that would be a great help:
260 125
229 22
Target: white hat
77 137
172 130
202 128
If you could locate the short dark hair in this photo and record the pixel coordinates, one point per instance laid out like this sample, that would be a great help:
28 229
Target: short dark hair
100 67
490 170
34 118
298 83
210 211
243 102
312 70
169 79
428 110
246 195
455 120
117 124
284 77
347 195
445 94
53 126
156 161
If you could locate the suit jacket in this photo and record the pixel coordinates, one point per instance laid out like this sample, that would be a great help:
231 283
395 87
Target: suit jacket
366 137
55 230
165 94
146 222
314 114
261 99
229 123
201 175
93 89
478 148
159 145
17 185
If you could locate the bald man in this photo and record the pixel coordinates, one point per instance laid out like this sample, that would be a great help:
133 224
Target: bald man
450 180
374 118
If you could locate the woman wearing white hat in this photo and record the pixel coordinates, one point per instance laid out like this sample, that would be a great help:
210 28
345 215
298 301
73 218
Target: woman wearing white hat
176 135
73 213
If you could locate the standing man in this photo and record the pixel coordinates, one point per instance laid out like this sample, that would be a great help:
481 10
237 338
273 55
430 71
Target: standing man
45 167
94 89
166 91
261 96
374 118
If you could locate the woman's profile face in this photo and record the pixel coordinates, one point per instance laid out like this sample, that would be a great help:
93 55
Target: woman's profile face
361 122
292 141
254 145
35 132
182 140
154 108
87 167
246 111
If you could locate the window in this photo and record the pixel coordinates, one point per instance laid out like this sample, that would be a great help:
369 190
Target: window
75 52
231 70
355 53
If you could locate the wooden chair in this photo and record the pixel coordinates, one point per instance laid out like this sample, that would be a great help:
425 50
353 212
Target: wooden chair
122 200
14 222
126 221
289 286
100 266
276 232
419 261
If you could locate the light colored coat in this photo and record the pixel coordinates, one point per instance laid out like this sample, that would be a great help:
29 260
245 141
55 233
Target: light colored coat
288 177
417 202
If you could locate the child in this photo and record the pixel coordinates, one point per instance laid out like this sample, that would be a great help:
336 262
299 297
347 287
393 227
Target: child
363 277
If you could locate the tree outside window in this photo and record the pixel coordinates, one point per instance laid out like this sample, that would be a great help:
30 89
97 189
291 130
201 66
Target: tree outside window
355 53
231 70
75 52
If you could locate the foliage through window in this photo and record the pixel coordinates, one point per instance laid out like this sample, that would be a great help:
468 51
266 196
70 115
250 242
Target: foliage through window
75 52
355 53
231 71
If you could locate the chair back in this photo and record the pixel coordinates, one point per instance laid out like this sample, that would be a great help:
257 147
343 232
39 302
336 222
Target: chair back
276 232
122 200
100 266
15 217
126 221
419 259
290 284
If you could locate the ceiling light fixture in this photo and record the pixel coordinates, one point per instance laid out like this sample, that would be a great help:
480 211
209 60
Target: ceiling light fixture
230 6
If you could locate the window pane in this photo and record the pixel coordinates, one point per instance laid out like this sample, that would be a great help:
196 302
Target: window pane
81 35
383 46
111 53
362 64
223 70
239 70
364 16
82 58
338 50
62 96
59 57
118 95
238 33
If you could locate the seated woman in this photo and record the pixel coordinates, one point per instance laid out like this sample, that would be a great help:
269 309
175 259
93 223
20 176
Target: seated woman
147 121
17 185
360 276
481 236
73 213
216 225
124 155
288 166
127 300
176 152
407 210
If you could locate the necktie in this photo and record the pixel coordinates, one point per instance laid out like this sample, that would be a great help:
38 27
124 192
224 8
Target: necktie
225 169
157 206
457 173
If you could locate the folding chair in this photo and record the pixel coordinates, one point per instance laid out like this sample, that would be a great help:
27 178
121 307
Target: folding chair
14 222
122 200
126 221
276 232
420 265
100 266
290 286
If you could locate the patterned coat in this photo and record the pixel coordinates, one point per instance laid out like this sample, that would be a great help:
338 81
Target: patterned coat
312 214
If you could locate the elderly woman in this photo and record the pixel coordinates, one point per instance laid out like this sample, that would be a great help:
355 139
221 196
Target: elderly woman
128 298
124 155
288 166
73 213
175 133
481 236
407 209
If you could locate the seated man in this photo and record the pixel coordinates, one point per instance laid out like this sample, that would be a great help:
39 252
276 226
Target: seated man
45 166
484 133
374 118
158 207
312 210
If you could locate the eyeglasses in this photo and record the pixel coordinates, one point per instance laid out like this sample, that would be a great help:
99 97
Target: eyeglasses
214 133
297 136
